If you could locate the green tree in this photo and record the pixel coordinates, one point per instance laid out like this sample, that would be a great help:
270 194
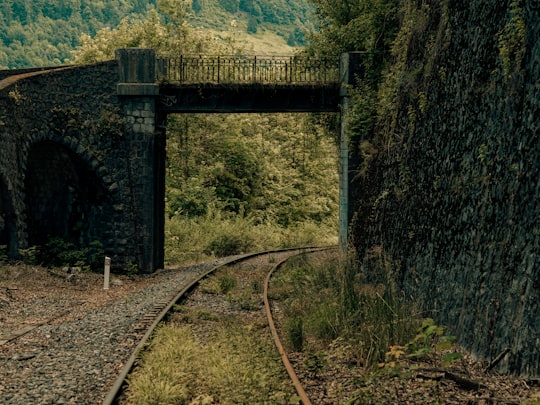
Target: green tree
362 25
253 22
167 30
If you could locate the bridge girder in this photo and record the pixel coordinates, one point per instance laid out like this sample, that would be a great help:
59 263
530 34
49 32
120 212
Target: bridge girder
248 98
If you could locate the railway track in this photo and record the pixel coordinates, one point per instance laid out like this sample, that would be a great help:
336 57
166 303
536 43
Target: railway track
69 346
162 309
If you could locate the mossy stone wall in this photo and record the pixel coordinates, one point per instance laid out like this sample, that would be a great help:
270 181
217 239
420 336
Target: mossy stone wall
449 198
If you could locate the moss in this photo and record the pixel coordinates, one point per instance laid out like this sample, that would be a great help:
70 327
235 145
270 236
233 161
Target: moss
512 39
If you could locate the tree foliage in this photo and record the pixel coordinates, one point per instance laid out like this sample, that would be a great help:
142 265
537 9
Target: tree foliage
368 26
43 33
273 168
168 32
362 25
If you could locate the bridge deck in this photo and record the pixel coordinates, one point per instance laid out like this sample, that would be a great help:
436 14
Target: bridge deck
240 84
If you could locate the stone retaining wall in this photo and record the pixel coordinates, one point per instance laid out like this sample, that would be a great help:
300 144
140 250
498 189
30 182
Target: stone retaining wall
449 207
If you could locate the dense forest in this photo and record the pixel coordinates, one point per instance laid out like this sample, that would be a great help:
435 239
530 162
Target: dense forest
43 33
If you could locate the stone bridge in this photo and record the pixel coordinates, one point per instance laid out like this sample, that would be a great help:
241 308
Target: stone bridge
82 148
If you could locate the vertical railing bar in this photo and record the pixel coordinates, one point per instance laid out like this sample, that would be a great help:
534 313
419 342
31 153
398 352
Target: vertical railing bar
255 68
235 68
181 69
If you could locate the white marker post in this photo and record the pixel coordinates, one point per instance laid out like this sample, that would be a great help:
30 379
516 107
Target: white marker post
107 273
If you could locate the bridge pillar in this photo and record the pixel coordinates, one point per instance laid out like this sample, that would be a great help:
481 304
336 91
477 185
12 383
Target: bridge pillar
137 90
350 70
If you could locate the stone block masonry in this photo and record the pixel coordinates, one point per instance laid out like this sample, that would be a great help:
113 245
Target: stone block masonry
451 204
77 162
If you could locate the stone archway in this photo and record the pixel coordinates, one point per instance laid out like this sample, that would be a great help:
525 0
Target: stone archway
64 197
8 223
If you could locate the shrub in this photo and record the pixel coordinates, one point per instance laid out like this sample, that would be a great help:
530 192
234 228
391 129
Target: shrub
228 245
295 333
58 253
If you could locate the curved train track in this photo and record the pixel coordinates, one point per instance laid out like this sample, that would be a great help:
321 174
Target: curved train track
162 309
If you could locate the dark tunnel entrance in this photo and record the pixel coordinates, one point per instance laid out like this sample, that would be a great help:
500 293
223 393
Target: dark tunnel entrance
64 197
8 226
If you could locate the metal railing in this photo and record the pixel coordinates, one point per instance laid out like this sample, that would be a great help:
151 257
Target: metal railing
242 69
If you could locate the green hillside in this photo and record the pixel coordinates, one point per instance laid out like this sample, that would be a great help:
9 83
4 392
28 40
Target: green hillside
41 33
277 21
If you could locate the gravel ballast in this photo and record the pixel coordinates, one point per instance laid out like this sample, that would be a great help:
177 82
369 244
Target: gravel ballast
74 359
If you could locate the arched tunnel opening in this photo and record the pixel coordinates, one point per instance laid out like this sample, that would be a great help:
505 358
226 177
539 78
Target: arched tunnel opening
8 226
64 197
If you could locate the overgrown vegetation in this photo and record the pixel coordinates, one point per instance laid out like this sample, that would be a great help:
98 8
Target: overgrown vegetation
60 253
195 239
324 302
180 368
242 183
326 314
216 353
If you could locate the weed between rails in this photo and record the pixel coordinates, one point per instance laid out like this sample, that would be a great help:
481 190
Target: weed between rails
233 365
215 349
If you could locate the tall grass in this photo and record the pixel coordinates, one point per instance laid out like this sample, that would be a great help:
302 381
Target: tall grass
235 365
214 235
327 299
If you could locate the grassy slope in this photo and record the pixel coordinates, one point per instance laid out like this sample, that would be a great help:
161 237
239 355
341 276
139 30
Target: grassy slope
24 35
265 42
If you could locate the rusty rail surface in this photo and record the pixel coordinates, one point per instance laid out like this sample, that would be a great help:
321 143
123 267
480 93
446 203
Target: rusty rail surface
243 69
162 309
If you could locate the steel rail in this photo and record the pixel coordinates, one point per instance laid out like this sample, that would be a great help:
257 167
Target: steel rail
284 358
120 381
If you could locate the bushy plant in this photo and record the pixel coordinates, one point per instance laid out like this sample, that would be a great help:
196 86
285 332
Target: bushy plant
228 245
58 252
200 238
295 333
327 299
226 283
221 283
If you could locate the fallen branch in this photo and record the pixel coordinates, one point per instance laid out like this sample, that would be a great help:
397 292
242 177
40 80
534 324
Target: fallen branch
497 360
464 383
